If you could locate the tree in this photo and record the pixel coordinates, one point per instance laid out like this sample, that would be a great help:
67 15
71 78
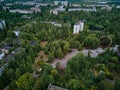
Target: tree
105 41
91 42
117 85
59 53
17 73
25 82
73 84
50 57
55 74
66 48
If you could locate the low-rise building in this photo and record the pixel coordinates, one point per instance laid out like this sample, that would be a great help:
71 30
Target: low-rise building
5 8
65 3
106 8
117 6
21 11
83 9
1 0
36 10
79 26
53 23
52 87
28 3
54 11
75 5
57 10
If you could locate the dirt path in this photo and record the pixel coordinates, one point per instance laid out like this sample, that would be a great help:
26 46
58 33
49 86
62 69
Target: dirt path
64 61
74 52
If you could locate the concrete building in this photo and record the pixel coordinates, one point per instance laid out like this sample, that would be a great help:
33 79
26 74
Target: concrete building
106 8
75 5
54 11
83 9
117 6
57 10
21 11
1 0
5 8
28 3
2 55
52 87
36 10
78 27
64 3
2 24
53 23
16 33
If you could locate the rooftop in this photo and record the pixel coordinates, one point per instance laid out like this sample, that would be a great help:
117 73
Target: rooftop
52 87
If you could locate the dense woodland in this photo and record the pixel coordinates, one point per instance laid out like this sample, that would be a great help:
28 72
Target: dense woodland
102 29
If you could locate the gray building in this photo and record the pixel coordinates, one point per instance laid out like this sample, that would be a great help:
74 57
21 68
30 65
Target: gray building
52 87
2 24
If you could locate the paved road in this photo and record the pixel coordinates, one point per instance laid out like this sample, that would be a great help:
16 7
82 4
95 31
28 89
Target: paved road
74 52
64 61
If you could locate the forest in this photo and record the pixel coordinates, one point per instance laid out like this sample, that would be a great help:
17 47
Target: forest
102 29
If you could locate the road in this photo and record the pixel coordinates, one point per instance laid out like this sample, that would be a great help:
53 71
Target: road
64 61
74 52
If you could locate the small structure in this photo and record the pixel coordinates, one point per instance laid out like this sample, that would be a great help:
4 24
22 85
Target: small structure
53 23
16 33
21 11
64 3
117 6
2 55
4 51
57 10
5 8
36 9
75 5
93 9
106 8
2 24
27 3
52 87
79 26
54 11
1 0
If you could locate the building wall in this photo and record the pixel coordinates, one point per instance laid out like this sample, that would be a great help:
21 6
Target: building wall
65 3
78 27
81 26
2 24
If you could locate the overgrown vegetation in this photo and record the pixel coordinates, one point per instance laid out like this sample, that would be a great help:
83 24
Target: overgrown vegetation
102 28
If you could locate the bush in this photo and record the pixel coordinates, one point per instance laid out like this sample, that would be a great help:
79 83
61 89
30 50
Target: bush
50 58
91 42
114 59
109 76
80 47
105 41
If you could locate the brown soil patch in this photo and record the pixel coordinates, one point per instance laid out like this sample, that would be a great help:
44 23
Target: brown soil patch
41 57
43 43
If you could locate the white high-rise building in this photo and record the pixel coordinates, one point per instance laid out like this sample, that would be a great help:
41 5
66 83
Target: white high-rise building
2 24
78 27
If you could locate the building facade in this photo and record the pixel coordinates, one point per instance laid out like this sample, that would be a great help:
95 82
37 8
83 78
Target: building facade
78 27
65 3
2 24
